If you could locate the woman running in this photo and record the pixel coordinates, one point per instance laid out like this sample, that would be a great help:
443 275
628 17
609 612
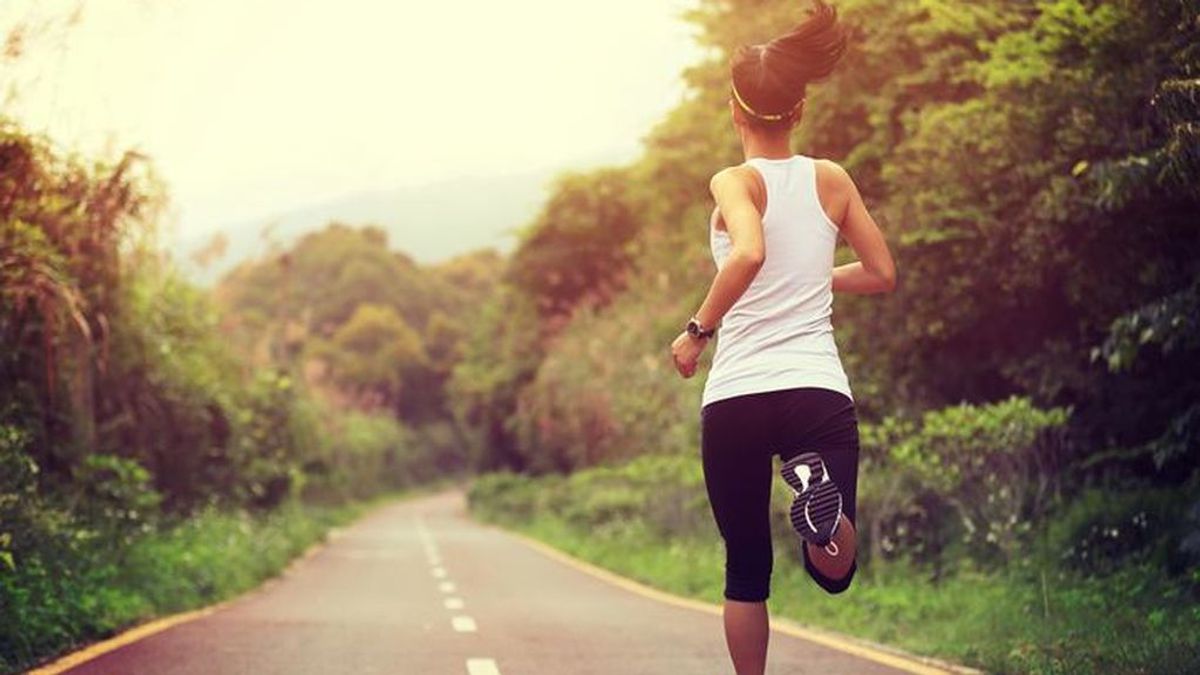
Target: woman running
777 385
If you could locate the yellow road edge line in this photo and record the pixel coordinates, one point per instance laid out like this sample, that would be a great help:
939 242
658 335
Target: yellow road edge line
132 635
145 630
904 662
149 628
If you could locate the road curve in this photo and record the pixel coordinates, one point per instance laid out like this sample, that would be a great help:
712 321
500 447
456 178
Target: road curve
417 587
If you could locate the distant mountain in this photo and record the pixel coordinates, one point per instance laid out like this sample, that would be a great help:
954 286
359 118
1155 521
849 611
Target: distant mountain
430 223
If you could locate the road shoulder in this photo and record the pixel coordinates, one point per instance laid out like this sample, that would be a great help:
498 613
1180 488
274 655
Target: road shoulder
883 654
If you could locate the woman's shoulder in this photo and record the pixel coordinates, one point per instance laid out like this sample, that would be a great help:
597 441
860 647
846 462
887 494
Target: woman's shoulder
830 169
831 172
740 173
834 187
741 181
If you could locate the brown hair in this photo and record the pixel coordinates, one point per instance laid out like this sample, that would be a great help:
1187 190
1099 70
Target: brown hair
771 79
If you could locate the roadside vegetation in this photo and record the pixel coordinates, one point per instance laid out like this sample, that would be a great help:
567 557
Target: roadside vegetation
1082 588
163 446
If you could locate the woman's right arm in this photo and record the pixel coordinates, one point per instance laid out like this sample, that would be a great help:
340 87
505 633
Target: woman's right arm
875 271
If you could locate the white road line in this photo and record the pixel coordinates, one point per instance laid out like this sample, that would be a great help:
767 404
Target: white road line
463 624
453 603
446 587
439 572
426 539
482 667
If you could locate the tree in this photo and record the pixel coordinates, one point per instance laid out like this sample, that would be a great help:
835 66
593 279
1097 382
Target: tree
377 357
574 253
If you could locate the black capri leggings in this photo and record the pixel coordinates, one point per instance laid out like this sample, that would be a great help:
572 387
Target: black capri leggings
739 437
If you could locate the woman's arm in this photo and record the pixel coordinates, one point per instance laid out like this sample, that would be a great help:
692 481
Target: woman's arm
733 190
875 271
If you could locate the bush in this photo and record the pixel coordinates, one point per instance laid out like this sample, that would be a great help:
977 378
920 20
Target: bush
363 455
113 495
662 494
277 430
18 492
996 467
1101 531
513 498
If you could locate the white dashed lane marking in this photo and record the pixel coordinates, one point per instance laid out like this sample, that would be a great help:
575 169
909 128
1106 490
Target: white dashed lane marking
461 623
482 667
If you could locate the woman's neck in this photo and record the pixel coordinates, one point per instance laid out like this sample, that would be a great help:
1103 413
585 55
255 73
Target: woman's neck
767 146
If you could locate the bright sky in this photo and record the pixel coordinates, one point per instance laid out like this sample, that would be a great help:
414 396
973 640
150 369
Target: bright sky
249 107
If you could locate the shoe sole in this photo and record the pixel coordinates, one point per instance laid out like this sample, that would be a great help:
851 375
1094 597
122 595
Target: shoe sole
817 508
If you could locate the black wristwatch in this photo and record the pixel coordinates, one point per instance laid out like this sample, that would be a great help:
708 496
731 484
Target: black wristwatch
698 331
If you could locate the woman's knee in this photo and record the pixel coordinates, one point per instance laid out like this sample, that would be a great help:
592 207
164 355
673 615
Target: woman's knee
748 566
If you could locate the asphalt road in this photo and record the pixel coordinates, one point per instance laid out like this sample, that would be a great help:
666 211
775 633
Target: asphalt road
417 587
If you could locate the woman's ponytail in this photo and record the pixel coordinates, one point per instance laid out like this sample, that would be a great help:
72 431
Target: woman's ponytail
771 79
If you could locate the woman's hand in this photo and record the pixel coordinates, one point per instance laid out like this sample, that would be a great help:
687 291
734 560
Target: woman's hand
686 351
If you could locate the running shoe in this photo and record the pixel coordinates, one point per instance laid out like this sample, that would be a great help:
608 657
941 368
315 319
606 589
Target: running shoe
817 507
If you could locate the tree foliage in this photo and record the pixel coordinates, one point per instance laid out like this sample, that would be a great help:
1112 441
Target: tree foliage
341 306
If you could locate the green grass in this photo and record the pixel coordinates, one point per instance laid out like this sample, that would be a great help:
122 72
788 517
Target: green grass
49 607
1131 621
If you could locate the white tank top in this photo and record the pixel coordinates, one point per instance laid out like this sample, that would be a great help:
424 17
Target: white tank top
778 335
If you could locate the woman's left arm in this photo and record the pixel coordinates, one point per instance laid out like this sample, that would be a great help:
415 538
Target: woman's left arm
733 190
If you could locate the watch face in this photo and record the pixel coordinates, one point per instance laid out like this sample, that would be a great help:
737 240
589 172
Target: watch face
693 328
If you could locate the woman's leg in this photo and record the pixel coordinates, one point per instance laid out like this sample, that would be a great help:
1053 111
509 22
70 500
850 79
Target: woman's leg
825 422
737 476
747 631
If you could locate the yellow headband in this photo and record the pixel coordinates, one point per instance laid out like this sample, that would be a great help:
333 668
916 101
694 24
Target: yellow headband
750 111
